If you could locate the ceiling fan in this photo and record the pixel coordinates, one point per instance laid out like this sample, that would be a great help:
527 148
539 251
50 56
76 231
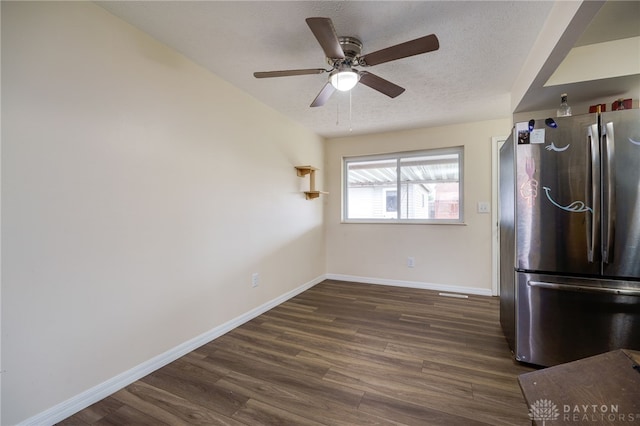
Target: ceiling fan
343 53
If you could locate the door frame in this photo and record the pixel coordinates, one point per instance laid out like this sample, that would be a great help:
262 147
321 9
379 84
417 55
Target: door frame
496 143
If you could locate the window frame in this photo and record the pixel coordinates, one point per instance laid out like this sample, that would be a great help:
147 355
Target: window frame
399 157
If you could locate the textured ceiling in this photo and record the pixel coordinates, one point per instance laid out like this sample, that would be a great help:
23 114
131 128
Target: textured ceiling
483 46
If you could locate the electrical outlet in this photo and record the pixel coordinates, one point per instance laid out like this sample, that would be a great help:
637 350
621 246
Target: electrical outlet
255 279
411 262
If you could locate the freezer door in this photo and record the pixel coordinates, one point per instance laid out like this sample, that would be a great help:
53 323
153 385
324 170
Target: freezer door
557 196
562 319
621 194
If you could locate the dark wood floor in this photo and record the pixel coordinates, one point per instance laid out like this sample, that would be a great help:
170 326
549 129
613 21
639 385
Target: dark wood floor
338 354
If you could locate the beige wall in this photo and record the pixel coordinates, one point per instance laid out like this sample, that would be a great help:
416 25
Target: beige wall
139 193
454 257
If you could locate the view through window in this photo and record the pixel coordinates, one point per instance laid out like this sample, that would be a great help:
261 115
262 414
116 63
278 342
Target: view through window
422 186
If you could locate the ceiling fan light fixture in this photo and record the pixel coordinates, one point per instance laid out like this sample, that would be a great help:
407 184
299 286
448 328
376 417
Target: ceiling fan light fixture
344 80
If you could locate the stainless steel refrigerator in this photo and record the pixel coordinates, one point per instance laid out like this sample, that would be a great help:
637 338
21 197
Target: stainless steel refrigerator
570 237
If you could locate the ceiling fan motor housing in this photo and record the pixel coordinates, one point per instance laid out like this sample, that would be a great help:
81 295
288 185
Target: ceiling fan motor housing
351 47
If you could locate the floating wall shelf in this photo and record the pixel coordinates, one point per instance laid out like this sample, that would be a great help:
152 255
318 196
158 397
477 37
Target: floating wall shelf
312 193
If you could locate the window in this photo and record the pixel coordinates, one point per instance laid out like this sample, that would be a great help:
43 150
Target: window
420 186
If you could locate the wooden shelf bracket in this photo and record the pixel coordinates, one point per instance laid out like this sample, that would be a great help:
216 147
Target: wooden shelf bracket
312 193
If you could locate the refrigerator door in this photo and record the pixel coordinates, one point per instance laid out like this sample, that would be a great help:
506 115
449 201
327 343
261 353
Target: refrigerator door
562 319
557 197
621 194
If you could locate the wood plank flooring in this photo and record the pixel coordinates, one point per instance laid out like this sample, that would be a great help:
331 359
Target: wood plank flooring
338 354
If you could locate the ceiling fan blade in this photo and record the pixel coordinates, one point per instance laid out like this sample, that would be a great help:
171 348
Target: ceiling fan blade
287 73
326 35
380 84
324 95
403 50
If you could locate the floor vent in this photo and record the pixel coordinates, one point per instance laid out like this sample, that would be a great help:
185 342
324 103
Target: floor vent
459 296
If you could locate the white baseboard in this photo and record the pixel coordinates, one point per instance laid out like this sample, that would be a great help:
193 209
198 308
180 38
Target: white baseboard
411 284
81 401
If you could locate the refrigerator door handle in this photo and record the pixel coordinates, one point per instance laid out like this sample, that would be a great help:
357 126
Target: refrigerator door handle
593 185
583 288
610 189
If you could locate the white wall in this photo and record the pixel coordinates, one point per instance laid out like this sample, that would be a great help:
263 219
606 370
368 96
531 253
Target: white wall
139 193
454 257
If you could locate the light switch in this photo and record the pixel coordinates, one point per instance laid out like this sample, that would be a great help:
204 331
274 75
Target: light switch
484 207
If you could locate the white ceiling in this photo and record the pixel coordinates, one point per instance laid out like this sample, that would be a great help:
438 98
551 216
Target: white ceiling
483 46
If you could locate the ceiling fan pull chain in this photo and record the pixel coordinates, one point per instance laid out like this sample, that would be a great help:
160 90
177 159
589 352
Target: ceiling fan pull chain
338 113
350 127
